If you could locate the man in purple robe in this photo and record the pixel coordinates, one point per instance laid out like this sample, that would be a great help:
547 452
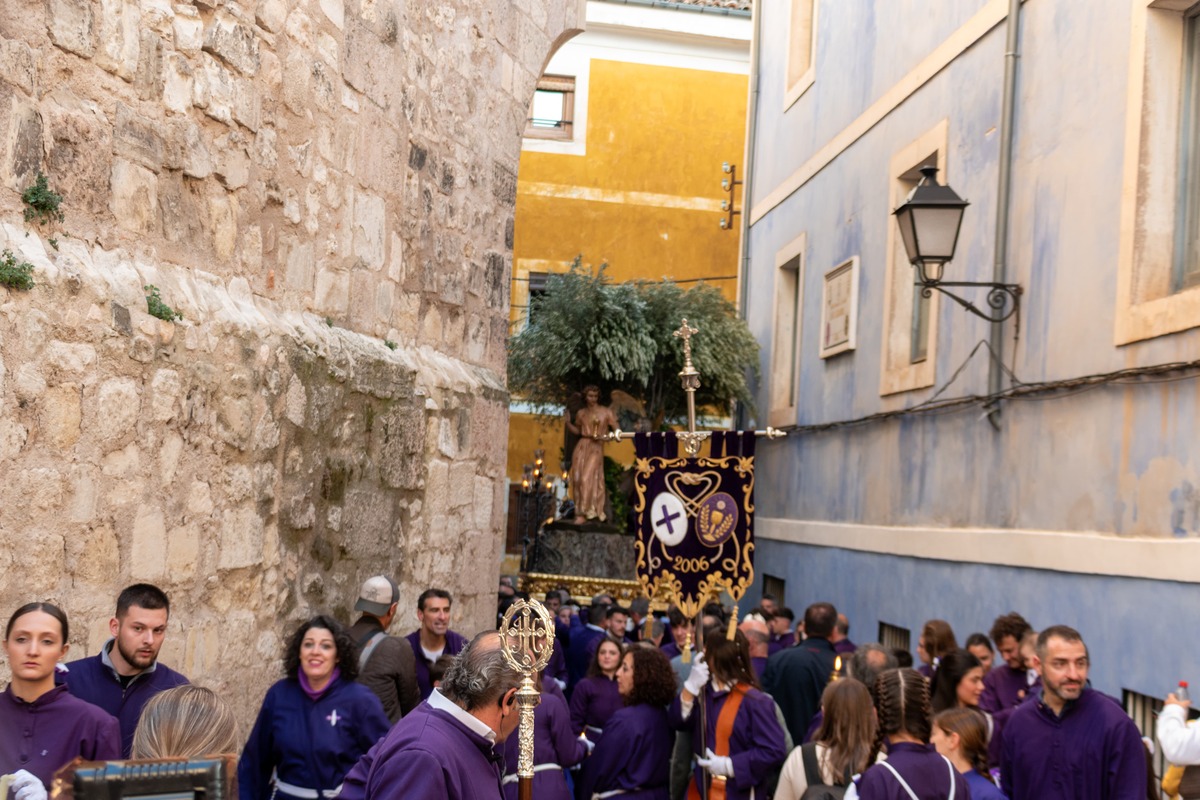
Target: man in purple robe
796 677
1004 688
841 637
433 639
759 637
446 747
126 673
1074 743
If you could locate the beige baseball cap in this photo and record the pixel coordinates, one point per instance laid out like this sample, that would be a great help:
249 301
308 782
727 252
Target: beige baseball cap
377 595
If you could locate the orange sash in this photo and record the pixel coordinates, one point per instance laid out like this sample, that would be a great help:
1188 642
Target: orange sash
716 784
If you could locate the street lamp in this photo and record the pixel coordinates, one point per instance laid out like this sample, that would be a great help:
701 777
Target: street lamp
930 219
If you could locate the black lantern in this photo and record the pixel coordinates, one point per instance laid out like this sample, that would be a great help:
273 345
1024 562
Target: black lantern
930 218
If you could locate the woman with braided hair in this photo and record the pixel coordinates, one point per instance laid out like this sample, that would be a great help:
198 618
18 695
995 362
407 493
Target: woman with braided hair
913 769
960 734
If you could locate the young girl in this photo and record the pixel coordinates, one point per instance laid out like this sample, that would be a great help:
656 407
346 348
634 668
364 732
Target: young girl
960 734
43 726
913 769
937 639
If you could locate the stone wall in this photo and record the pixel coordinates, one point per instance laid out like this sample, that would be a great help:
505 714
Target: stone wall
324 189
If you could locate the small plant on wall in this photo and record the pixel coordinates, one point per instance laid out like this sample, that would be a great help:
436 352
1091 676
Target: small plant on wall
15 274
156 306
41 202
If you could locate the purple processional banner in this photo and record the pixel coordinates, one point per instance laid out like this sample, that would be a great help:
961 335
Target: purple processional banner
694 518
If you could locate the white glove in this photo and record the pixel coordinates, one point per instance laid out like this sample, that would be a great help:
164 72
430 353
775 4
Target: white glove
698 677
715 764
26 786
590 744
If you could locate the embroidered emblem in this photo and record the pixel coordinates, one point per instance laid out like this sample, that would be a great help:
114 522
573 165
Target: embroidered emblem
717 519
333 718
668 519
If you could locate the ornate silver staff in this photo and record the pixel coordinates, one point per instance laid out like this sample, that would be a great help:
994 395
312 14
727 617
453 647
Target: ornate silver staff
527 635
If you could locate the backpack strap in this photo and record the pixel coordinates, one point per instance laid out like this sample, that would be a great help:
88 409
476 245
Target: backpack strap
812 770
904 784
952 776
372 643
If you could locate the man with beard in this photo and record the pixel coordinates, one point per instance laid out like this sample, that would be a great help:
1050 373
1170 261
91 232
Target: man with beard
126 673
1074 743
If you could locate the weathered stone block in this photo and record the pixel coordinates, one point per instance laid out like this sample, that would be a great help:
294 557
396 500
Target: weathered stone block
214 89
233 43
183 552
79 153
332 293
72 26
61 415
166 395
232 165
271 14
148 547
178 84
241 539
113 411
119 37
137 138
18 65
93 556
149 76
335 11
186 150
188 28
22 143
135 197
369 224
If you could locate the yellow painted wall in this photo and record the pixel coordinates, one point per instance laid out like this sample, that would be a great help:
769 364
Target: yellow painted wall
645 198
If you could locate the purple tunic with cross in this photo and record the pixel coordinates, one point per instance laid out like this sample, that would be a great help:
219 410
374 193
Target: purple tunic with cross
42 736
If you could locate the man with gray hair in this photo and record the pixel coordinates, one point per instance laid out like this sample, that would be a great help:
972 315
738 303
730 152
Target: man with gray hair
869 660
445 749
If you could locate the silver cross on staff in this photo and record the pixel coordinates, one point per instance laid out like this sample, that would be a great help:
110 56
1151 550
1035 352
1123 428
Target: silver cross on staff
691 382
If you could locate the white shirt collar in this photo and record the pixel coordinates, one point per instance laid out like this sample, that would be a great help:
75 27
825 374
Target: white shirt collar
438 700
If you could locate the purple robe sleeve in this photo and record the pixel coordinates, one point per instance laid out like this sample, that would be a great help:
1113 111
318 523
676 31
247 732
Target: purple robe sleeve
105 743
581 698
254 767
569 749
761 740
1126 769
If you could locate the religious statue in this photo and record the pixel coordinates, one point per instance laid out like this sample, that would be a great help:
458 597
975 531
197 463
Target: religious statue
592 423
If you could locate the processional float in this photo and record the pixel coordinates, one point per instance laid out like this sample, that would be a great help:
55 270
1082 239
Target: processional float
694 541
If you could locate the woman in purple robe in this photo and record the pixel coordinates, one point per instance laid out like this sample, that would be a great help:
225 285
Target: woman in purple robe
596 698
913 767
738 740
44 726
555 748
633 756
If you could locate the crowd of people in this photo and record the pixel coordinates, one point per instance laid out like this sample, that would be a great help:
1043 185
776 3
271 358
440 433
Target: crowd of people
634 704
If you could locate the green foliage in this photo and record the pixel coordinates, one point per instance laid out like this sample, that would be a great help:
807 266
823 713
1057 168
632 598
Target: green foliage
390 344
585 329
42 202
53 242
614 476
15 274
156 306
329 322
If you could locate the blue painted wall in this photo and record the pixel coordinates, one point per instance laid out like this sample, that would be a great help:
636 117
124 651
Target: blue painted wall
1136 641
1116 459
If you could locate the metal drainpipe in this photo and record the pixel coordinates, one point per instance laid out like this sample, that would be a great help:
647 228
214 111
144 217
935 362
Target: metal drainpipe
1003 194
748 173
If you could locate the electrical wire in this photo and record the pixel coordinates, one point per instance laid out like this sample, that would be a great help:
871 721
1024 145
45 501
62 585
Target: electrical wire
1020 390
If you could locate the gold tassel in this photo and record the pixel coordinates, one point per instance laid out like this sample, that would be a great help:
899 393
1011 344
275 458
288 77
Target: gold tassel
733 623
648 632
687 650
